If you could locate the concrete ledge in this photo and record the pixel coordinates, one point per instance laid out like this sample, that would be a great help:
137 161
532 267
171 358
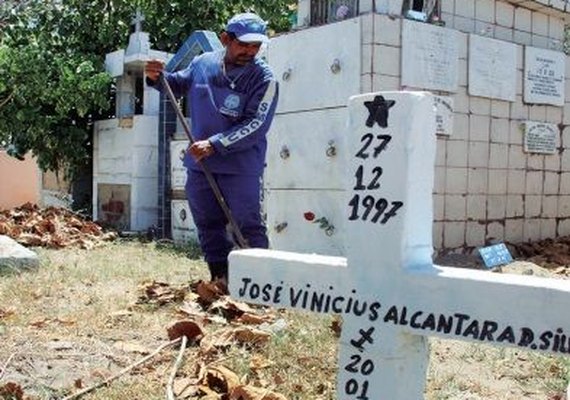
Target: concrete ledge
14 256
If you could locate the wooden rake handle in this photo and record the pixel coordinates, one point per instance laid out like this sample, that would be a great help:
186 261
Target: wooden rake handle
242 243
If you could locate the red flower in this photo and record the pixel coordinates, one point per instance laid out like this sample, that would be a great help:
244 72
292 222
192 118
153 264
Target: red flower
309 216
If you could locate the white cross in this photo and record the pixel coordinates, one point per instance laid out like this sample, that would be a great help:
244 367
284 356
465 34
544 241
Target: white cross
137 20
387 290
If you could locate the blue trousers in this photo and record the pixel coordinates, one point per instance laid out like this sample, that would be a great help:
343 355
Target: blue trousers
242 194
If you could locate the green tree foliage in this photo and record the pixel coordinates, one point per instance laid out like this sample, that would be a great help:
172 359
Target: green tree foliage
52 80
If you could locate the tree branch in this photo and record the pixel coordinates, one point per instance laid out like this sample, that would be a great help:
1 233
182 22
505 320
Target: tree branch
6 100
169 386
5 367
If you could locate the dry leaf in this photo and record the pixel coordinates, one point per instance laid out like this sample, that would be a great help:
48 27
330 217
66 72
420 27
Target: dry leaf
336 327
278 380
43 322
208 394
247 335
100 374
259 362
66 322
40 323
11 391
192 330
228 336
192 309
7 312
160 293
220 379
232 309
208 292
254 319
244 392
185 388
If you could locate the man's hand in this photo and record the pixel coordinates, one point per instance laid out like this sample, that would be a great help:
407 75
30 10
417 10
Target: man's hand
201 149
153 69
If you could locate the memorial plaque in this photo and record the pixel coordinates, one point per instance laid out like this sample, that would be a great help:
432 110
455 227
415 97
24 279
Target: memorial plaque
177 169
540 137
429 56
497 254
183 228
544 76
492 68
443 115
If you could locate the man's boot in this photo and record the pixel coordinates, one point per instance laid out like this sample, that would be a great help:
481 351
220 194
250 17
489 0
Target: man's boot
219 273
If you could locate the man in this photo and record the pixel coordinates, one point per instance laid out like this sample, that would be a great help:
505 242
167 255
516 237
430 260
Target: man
232 98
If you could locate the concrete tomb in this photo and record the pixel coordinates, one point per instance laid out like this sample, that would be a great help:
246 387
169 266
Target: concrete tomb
125 148
389 293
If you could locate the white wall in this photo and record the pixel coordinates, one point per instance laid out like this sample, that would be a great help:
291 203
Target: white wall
486 188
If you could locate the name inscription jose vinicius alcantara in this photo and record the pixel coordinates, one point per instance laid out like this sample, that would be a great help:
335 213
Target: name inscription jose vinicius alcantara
456 324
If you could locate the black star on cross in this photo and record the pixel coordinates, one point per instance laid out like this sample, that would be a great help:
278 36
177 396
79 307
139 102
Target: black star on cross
378 109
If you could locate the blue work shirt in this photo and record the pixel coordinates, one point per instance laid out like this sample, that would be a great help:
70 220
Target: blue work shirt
235 120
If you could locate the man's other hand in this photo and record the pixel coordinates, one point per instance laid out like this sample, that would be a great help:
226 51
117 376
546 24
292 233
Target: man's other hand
201 149
153 69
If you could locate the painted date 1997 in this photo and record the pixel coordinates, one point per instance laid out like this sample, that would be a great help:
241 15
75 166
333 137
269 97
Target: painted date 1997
381 210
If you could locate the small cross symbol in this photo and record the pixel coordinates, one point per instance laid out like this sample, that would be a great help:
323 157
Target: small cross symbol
137 20
379 110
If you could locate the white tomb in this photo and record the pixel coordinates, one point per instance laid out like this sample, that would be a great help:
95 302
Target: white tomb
387 290
125 148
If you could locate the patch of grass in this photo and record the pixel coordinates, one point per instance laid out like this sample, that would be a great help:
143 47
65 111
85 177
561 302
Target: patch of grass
191 249
466 370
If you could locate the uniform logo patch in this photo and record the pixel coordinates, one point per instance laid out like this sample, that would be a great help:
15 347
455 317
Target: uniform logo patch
231 106
231 102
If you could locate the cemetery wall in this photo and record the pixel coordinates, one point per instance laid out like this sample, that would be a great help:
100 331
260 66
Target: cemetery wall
487 187
21 181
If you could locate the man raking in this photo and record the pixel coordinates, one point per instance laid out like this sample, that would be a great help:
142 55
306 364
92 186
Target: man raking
232 95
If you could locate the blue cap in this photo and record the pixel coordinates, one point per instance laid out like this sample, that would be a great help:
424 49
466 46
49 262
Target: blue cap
248 27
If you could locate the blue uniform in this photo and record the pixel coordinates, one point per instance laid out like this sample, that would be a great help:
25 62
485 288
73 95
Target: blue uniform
233 111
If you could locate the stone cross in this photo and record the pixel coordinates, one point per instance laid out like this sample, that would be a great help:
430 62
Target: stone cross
137 21
389 293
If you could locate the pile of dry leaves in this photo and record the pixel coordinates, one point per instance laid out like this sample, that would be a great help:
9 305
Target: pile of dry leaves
209 323
51 227
548 253
206 303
